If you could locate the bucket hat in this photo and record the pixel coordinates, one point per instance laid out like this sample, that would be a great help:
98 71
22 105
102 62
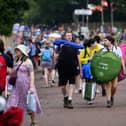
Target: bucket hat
24 49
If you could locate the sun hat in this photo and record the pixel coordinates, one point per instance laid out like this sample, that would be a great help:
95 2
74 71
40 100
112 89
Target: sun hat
24 49
2 104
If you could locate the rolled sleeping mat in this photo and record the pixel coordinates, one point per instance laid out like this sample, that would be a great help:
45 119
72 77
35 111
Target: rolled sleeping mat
65 42
105 66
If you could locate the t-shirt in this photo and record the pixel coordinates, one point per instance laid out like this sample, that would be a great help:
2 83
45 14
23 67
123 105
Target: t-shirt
116 50
32 50
16 28
21 29
68 61
3 72
4 62
84 58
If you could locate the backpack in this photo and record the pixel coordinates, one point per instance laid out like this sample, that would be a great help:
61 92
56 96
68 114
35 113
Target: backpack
46 55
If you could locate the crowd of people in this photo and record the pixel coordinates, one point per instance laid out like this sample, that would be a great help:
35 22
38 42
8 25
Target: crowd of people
34 48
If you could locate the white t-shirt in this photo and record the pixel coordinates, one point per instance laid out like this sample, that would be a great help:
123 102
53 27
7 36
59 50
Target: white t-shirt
21 29
116 50
16 28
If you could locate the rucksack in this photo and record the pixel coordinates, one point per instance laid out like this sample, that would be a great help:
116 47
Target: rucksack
46 55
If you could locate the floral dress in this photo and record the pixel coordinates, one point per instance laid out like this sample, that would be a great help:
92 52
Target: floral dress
19 92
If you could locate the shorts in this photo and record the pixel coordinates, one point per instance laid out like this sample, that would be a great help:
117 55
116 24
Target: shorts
65 80
47 65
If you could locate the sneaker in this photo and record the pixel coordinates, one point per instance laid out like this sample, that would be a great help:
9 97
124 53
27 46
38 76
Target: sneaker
76 91
80 91
65 102
109 104
69 105
97 91
33 124
103 92
112 101
52 83
89 102
46 86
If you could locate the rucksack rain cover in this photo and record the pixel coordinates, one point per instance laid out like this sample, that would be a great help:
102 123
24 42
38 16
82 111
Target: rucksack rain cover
105 66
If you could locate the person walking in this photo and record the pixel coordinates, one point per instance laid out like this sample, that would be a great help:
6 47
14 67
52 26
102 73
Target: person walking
111 86
78 79
32 52
68 64
5 61
47 62
86 55
24 82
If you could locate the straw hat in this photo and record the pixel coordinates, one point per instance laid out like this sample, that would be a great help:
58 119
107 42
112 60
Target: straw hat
24 49
2 104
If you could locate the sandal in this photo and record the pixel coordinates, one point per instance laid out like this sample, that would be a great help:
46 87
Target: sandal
33 124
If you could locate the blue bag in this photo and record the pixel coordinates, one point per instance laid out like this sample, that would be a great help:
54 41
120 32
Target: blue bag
86 70
46 55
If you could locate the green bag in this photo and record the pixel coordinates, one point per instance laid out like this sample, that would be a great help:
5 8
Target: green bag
89 91
105 66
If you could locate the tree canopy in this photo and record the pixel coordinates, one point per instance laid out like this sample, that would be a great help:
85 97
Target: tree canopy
58 11
52 11
10 12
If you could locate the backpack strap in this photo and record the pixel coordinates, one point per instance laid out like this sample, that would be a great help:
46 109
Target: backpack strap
19 66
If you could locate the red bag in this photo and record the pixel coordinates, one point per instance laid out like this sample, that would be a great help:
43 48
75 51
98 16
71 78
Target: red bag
121 75
13 77
14 116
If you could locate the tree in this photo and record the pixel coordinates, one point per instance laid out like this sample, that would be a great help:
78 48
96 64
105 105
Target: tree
61 11
33 13
51 12
10 12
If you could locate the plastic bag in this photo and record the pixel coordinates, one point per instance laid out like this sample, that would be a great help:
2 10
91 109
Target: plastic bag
87 71
31 102
89 90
